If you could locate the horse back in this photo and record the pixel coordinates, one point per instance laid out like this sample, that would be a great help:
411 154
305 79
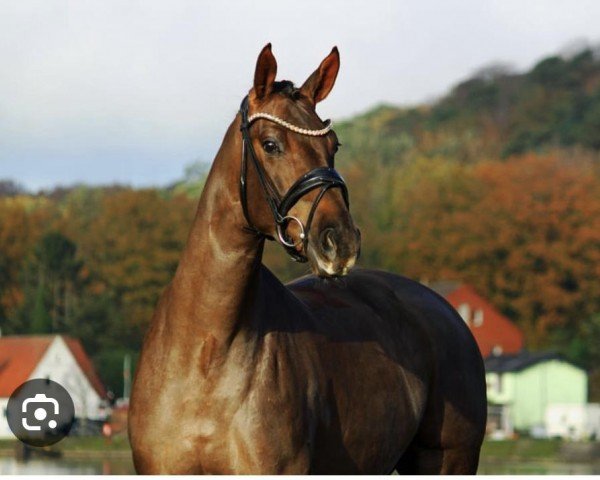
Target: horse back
395 351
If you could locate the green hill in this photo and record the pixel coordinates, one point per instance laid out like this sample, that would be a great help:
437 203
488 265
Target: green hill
494 114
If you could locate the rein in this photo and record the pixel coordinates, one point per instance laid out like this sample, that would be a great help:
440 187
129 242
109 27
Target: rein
321 177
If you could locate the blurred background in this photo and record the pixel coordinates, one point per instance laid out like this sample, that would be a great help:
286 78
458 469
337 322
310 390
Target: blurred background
471 146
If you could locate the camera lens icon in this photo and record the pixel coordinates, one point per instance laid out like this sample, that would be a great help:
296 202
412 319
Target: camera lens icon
40 412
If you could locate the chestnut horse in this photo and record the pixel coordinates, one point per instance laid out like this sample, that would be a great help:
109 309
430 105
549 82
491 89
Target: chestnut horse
357 371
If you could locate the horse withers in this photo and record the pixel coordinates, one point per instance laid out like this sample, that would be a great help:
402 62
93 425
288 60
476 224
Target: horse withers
344 371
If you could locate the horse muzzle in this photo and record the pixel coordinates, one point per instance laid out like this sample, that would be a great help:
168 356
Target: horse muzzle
334 250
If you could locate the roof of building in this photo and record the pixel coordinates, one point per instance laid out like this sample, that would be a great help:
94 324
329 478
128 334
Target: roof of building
20 355
492 330
518 362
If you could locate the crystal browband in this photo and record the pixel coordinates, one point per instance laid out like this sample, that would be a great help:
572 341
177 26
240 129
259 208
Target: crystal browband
289 126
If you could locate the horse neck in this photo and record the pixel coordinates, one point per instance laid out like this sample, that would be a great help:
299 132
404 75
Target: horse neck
218 272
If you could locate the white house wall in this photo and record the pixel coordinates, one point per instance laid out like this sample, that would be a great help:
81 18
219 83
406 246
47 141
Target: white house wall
59 364
574 422
4 430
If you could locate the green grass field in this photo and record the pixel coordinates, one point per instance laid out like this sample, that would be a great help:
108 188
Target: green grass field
523 449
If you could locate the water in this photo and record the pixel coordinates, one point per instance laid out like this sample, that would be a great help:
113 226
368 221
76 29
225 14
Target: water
60 466
537 468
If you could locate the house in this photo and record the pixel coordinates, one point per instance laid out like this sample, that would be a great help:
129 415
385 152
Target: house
58 358
522 387
573 422
493 332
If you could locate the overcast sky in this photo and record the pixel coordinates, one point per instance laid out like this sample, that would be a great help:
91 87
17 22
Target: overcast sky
132 91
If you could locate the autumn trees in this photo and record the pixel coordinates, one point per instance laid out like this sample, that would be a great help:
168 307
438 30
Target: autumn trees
91 264
524 231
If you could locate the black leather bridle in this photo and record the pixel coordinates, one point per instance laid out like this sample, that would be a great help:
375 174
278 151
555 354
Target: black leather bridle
321 177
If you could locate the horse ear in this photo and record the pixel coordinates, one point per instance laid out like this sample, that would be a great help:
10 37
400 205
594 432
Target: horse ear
320 83
264 75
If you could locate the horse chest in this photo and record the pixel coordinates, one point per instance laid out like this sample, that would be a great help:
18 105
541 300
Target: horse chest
252 420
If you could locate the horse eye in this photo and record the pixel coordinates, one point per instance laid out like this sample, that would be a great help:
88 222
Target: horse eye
270 146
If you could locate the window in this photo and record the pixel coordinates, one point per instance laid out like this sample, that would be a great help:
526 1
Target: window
478 318
465 312
494 383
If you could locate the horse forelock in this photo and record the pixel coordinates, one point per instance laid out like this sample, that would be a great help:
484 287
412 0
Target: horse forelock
286 88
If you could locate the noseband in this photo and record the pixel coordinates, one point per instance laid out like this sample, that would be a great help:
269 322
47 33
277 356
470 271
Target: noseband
321 177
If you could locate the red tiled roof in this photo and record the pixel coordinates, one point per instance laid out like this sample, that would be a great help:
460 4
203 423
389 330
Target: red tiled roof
20 354
496 329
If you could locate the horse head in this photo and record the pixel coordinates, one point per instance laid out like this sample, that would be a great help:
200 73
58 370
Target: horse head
293 150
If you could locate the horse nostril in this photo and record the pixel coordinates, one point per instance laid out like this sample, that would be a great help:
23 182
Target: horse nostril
328 243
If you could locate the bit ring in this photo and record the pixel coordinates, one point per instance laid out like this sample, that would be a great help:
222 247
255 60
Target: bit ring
281 231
